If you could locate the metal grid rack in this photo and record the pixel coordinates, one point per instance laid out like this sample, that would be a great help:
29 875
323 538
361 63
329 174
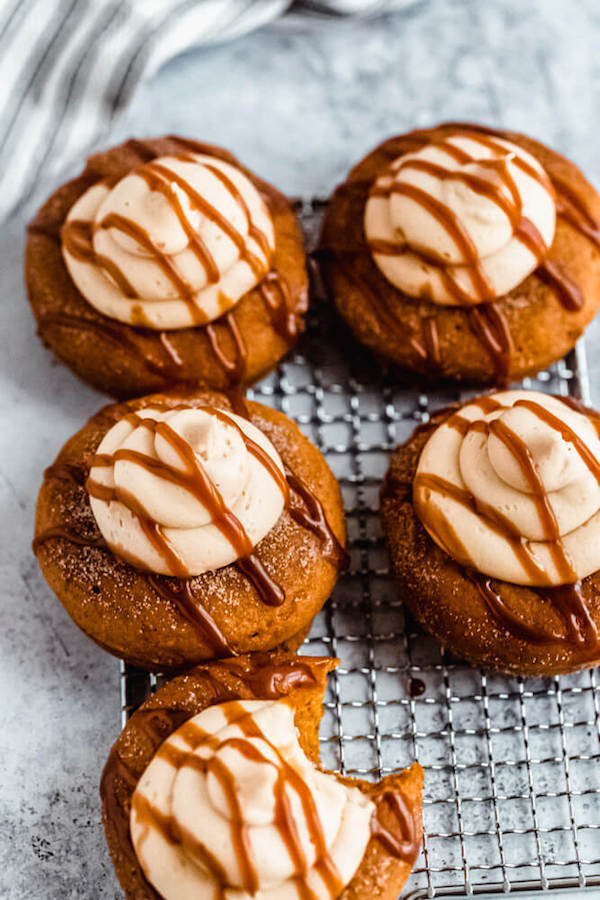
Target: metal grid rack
512 765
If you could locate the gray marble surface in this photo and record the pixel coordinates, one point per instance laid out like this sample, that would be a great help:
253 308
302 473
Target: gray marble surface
299 103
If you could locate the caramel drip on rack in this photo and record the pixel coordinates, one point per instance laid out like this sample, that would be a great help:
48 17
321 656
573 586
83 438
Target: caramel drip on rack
288 779
401 842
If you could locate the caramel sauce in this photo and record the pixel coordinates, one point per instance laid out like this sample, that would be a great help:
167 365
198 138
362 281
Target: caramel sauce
67 534
490 325
572 208
226 678
565 432
402 842
276 297
234 368
303 506
521 453
307 510
569 293
445 216
568 601
511 208
181 594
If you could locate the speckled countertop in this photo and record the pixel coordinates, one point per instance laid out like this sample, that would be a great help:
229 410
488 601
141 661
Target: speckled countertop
299 103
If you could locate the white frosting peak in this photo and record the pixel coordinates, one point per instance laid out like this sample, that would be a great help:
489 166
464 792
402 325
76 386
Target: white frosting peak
180 492
510 486
174 243
453 222
247 812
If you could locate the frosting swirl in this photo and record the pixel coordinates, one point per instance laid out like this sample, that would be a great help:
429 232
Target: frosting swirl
176 242
186 490
230 806
462 220
510 486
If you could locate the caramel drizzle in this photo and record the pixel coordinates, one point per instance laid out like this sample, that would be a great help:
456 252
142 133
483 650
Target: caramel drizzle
235 367
276 297
521 453
169 367
572 208
61 531
403 841
568 602
181 595
567 599
565 432
490 325
309 513
148 816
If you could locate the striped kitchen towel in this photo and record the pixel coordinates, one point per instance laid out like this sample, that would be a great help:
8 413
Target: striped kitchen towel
70 66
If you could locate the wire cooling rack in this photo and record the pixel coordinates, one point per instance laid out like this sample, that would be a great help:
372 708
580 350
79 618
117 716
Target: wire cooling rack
512 765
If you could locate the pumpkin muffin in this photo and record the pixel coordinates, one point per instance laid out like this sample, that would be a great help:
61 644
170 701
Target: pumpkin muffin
166 262
214 787
186 526
464 252
492 516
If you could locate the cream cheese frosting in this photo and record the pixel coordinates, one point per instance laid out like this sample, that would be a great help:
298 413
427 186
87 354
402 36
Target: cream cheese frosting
462 220
510 486
231 807
174 243
186 490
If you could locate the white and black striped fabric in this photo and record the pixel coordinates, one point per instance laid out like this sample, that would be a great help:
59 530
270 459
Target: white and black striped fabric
70 66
